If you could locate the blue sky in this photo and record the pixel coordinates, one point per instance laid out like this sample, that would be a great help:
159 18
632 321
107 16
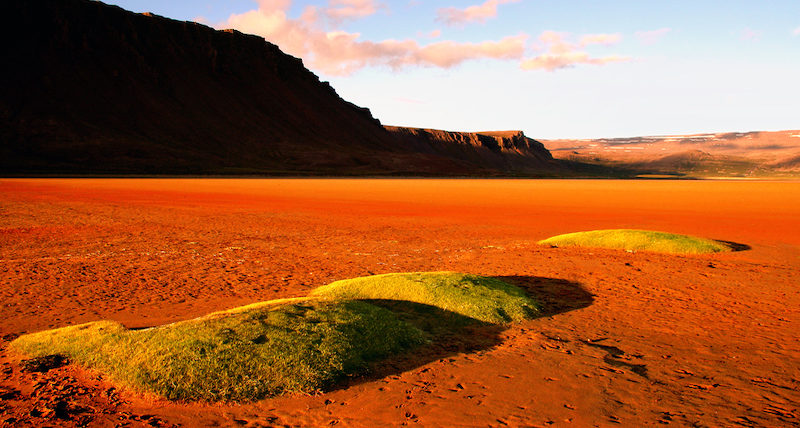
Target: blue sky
555 69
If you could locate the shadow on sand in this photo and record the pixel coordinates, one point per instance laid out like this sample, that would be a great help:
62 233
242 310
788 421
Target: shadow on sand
451 333
735 246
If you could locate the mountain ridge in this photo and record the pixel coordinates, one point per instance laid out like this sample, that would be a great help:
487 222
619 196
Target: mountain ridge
734 154
504 150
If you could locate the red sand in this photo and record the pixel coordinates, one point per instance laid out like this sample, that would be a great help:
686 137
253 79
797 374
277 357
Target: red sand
633 338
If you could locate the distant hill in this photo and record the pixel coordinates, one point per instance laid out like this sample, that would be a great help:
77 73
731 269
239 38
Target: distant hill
497 150
89 88
734 154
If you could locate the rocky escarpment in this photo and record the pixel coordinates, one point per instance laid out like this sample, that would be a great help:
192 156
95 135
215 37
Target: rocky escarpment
89 88
509 151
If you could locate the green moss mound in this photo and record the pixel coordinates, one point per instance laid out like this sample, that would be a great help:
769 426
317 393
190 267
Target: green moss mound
639 240
238 355
485 299
286 345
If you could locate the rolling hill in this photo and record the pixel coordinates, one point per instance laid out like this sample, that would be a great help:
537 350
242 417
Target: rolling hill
734 154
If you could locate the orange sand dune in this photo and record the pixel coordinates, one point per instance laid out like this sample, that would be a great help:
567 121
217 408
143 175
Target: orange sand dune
630 338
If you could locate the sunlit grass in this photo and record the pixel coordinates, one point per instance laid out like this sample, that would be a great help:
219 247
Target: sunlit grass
286 345
485 299
241 355
639 240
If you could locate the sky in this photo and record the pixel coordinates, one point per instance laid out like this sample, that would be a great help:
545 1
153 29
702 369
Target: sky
552 68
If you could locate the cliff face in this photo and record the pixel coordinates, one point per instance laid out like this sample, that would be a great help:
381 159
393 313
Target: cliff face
89 88
509 151
94 88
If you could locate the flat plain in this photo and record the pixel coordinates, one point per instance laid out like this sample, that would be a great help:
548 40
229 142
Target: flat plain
631 338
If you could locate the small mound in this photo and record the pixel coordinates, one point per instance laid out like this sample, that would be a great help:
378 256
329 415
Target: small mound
639 240
287 345
485 299
239 355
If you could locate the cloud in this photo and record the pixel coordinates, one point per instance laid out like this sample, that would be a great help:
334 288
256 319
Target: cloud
476 13
796 31
750 34
651 37
600 39
559 53
342 53
552 62
339 52
434 34
350 9
446 54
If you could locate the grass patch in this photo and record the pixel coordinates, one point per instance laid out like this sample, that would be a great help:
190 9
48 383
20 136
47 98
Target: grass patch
639 240
239 355
287 345
485 299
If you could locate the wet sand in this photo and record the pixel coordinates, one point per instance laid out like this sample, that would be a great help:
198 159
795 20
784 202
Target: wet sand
630 338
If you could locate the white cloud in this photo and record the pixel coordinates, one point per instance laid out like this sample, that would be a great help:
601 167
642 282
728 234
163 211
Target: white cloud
477 13
342 53
562 54
351 9
651 37
337 52
750 34
600 39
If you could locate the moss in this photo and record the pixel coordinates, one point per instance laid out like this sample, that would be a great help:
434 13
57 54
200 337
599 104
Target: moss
243 355
485 299
639 240
286 345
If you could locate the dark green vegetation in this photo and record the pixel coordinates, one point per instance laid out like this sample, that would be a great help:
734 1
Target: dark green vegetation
288 345
639 240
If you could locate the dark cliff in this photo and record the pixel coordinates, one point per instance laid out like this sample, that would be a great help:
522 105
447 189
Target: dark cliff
89 88
509 151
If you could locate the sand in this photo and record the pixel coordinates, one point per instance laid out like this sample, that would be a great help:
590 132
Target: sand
627 338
